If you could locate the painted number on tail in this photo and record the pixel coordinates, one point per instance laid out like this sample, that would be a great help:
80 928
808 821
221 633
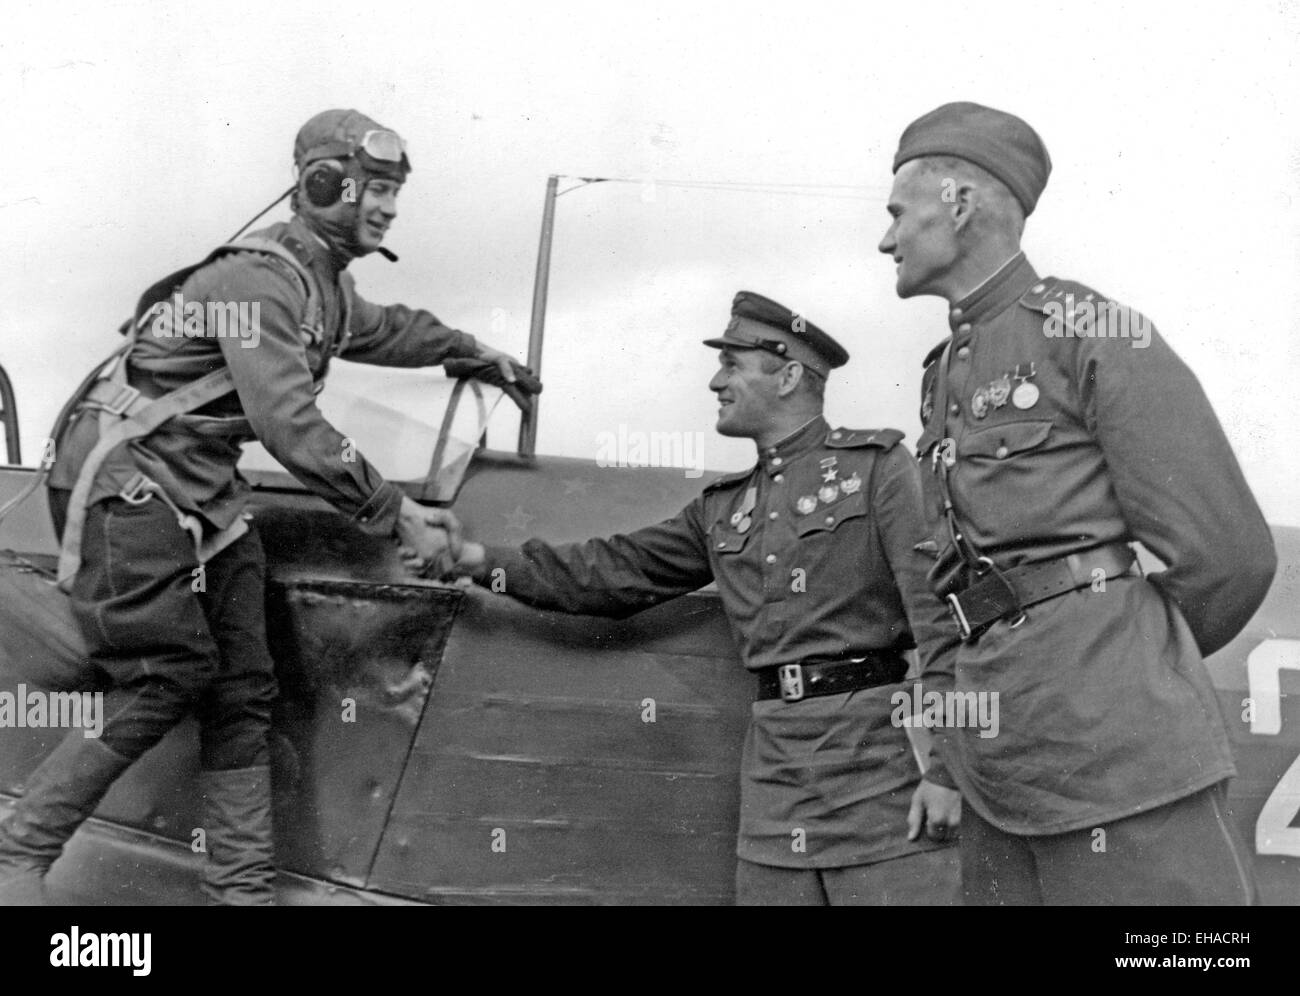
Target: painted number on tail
1273 831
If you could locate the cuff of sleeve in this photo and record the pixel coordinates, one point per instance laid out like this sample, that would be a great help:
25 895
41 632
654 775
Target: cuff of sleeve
378 516
494 558
937 772
467 346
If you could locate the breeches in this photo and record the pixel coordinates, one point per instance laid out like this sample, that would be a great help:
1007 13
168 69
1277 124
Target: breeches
176 636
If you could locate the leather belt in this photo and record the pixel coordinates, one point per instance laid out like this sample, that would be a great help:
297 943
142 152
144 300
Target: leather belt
793 682
999 594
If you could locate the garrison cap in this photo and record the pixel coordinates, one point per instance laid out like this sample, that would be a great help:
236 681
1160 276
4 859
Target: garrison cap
999 142
341 134
758 322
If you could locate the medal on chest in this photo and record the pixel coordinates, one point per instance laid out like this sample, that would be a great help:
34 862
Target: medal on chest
741 519
1025 395
829 491
999 391
852 484
979 403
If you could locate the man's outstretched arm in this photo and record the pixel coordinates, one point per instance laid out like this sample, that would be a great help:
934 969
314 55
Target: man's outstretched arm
616 577
397 336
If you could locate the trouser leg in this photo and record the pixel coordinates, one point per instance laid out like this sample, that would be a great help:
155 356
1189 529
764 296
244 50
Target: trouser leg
234 715
60 794
926 878
136 602
768 885
1184 853
997 868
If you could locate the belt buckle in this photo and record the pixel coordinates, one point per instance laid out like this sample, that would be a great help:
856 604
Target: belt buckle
992 568
125 398
138 490
790 677
954 607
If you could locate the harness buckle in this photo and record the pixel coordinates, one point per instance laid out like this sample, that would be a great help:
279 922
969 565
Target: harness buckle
124 399
138 490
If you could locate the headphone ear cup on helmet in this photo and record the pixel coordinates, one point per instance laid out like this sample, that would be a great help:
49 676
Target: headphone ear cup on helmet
323 183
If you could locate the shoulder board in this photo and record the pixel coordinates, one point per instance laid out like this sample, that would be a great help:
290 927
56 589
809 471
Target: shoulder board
934 354
1075 310
845 439
1051 289
728 479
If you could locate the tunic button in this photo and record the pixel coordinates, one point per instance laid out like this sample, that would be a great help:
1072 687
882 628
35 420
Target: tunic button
776 461
1038 288
830 520
770 558
722 546
954 409
836 434
955 313
771 515
964 327
963 352
779 478
1002 451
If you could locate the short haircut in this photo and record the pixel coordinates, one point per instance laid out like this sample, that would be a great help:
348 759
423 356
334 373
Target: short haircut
811 381
1002 208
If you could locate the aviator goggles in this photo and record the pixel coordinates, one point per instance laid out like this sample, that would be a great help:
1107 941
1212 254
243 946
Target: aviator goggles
379 144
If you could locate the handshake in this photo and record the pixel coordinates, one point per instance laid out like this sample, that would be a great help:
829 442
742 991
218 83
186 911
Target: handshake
431 543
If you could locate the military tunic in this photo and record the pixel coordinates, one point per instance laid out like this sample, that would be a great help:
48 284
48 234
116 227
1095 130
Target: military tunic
813 552
175 648
194 457
1106 707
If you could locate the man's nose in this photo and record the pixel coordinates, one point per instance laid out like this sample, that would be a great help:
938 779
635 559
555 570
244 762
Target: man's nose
717 382
888 244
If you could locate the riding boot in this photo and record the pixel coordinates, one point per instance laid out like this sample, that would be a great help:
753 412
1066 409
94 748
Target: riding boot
61 793
240 869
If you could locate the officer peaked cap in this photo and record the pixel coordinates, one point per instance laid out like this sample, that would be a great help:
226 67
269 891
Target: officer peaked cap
758 322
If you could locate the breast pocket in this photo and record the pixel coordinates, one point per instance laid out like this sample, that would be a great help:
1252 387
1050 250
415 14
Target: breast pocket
995 443
725 541
830 517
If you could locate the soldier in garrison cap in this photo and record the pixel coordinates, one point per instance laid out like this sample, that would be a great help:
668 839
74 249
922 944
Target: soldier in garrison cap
166 576
813 552
1059 427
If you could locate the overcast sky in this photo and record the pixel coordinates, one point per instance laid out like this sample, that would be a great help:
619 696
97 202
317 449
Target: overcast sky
141 135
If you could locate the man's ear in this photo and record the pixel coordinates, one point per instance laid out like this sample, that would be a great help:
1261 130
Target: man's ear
964 204
791 376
